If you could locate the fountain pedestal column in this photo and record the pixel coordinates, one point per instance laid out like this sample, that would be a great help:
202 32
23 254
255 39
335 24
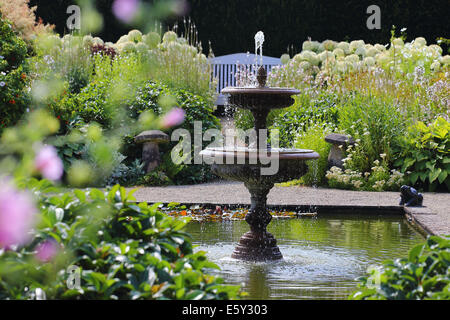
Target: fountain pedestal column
258 244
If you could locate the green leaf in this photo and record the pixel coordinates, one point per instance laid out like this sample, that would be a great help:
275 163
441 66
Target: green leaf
423 176
195 295
413 177
180 293
434 174
442 176
408 162
430 165
96 194
80 195
415 252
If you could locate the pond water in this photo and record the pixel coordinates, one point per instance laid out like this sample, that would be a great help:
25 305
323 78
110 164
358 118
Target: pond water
323 256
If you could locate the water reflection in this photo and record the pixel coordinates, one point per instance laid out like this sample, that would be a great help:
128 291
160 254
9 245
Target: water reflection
322 256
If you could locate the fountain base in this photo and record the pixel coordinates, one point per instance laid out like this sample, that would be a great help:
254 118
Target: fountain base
257 246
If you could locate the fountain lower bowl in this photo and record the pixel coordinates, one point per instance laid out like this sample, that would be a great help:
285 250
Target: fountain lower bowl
244 164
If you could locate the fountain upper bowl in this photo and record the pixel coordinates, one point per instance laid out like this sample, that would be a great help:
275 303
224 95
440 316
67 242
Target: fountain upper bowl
257 98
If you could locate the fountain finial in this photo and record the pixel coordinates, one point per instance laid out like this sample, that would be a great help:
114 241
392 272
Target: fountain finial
261 77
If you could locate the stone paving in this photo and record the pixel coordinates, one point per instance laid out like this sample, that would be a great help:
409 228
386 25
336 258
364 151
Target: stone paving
433 217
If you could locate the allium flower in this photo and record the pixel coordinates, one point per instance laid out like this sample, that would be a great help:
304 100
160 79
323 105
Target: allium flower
125 10
17 212
173 117
46 250
48 163
285 58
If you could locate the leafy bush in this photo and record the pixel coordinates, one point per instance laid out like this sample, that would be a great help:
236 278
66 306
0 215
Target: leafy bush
377 179
305 112
87 105
91 105
13 75
314 138
197 109
374 123
423 275
125 251
424 153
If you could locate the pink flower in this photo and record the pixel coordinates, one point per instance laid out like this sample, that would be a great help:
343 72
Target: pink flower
17 213
173 117
181 8
46 250
48 163
125 10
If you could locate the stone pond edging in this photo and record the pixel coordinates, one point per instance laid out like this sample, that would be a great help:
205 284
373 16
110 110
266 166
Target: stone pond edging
432 219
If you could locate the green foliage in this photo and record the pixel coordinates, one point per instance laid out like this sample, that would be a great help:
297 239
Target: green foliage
314 138
88 105
423 275
374 123
125 251
305 112
13 76
92 105
377 179
424 153
197 109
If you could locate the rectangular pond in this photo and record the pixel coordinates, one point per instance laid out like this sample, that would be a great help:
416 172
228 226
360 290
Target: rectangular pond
323 255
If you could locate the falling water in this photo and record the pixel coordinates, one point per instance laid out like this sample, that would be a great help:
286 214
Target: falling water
314 165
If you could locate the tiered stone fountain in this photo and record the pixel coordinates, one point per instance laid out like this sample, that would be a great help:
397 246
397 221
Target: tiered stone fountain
258 244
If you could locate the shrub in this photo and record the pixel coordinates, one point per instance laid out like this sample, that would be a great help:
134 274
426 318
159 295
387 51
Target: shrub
423 275
23 18
379 178
374 123
314 138
196 107
125 251
87 105
13 76
304 113
91 106
424 154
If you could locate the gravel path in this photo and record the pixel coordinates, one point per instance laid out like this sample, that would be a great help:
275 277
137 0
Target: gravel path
434 217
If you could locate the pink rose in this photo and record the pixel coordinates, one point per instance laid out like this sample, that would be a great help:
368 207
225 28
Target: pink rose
46 250
173 117
125 10
48 163
17 215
